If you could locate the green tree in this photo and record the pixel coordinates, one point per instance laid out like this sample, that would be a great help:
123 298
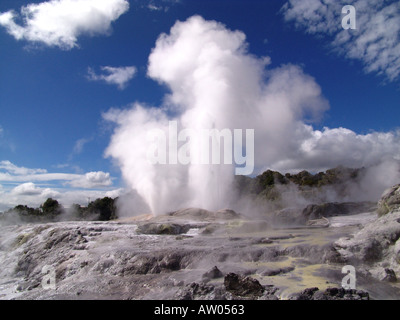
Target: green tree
24 210
51 207
104 207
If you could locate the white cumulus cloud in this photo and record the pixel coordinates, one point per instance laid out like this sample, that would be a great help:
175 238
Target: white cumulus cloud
30 189
92 180
321 150
119 76
59 23
375 42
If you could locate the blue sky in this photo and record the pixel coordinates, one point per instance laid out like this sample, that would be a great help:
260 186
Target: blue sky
54 92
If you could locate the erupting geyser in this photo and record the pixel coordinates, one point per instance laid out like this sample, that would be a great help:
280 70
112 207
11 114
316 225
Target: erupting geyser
217 85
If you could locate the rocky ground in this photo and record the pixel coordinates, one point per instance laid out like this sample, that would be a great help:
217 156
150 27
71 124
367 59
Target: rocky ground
197 254
376 247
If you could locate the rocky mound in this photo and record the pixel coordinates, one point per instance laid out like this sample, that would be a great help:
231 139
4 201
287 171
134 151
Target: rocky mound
297 216
243 286
193 213
376 247
204 215
389 201
163 228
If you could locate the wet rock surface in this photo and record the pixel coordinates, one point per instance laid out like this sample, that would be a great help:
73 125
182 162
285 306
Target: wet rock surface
173 257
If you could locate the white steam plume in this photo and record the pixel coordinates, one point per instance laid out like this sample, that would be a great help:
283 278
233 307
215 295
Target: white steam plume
216 83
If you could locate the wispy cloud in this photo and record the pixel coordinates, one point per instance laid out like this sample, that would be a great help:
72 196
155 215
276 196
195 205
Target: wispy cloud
79 146
5 142
119 76
157 5
58 23
375 42
153 7
11 168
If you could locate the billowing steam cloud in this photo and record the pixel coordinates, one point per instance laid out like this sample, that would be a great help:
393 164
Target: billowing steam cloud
216 83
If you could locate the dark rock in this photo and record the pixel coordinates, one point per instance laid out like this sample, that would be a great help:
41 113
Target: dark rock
214 273
262 241
285 237
317 211
306 294
388 275
79 247
243 286
298 216
184 295
23 286
156 263
331 294
331 255
275 272
371 251
227 214
163 228
171 262
269 293
182 237
80 239
201 291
